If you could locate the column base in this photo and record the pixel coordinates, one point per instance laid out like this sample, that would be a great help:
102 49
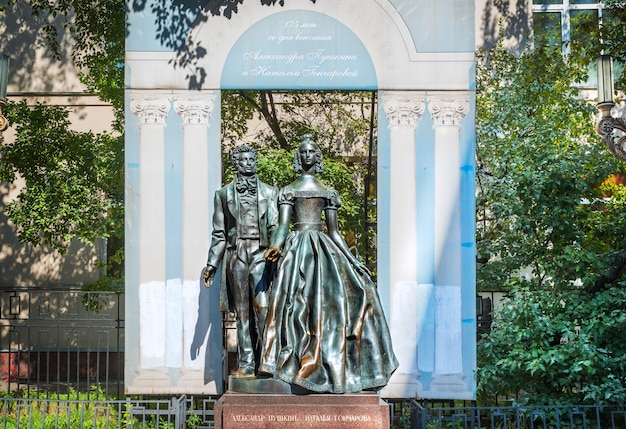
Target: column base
192 381
403 386
151 380
448 383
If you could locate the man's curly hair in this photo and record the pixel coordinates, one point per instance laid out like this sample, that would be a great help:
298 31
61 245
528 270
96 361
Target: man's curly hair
244 148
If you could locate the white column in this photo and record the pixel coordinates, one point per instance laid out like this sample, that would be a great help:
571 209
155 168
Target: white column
195 109
152 108
447 111
403 110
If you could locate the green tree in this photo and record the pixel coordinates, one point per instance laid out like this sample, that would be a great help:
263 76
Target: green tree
551 232
74 185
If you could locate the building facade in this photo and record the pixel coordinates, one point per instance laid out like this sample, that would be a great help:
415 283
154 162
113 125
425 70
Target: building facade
38 78
418 55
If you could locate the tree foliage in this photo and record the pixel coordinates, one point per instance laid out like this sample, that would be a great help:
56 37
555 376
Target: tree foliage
341 120
73 183
551 232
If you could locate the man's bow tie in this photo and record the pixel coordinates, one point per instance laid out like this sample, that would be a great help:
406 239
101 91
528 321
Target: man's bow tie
246 184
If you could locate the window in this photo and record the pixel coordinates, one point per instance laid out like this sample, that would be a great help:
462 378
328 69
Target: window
561 21
568 23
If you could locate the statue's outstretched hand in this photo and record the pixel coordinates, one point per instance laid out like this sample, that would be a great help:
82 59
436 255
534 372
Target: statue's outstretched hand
209 274
272 254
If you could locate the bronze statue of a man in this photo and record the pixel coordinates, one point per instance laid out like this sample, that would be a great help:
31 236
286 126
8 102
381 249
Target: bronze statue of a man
245 216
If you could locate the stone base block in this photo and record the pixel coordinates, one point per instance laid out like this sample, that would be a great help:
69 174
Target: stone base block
275 411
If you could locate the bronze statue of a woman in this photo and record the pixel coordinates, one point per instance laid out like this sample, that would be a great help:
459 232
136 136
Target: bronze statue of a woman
326 331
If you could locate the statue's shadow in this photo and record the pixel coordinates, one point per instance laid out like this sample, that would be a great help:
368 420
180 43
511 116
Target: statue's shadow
209 330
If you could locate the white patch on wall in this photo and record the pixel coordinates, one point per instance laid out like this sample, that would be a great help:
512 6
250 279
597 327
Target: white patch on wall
152 324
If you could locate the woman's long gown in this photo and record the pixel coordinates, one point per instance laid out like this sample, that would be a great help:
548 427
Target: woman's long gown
326 330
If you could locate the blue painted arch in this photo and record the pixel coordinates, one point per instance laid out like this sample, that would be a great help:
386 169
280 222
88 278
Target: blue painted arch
299 49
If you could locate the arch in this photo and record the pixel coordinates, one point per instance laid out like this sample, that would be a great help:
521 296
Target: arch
298 49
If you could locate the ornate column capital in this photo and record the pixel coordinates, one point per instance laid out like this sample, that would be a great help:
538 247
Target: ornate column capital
448 111
150 108
403 109
195 109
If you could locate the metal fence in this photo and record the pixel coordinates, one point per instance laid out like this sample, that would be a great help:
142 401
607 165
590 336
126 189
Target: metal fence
55 340
517 417
176 413
189 413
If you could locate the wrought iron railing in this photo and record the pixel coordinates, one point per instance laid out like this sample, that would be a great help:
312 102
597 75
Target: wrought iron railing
189 413
176 413
55 340
518 417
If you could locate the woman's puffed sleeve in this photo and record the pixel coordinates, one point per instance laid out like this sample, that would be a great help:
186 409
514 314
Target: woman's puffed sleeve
286 196
334 201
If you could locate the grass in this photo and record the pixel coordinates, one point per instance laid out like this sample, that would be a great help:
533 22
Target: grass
84 410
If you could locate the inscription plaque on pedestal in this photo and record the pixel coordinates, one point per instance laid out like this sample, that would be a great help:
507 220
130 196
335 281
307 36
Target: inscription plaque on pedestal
268 411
